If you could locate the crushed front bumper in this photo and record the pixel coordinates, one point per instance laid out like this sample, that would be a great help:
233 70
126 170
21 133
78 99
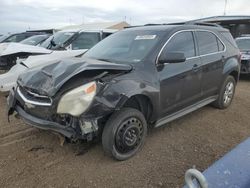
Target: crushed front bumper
46 125
77 132
37 122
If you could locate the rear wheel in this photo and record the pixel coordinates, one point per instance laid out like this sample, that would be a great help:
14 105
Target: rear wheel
226 93
124 133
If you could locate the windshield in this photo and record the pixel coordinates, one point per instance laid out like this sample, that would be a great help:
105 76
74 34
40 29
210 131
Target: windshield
57 40
243 44
16 37
125 47
34 40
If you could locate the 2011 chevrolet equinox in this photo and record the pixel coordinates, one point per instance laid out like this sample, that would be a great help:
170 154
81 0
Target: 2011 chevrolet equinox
139 77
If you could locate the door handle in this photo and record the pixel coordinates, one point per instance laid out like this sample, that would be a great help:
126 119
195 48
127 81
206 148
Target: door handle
195 67
223 59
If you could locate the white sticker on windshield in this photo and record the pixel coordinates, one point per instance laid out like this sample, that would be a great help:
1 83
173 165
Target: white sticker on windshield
145 37
68 34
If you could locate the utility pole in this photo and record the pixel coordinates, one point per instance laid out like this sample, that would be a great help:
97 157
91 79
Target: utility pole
225 8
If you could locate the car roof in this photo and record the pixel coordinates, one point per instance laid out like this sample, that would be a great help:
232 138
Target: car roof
172 27
89 30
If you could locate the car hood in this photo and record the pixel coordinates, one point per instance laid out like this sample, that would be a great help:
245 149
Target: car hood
13 48
49 79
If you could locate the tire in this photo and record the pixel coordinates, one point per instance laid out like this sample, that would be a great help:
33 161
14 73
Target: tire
226 93
124 133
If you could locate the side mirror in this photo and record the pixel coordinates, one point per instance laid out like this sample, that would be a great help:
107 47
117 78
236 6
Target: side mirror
52 43
172 57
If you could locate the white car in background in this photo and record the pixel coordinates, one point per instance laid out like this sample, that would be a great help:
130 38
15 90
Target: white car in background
8 80
60 41
83 41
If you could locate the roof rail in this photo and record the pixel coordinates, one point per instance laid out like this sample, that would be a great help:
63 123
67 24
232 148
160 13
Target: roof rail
142 25
202 24
195 23
179 23
132 26
151 24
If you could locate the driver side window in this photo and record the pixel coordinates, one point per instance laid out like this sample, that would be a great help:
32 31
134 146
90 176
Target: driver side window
182 42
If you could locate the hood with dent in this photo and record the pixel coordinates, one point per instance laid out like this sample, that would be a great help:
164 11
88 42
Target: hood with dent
13 48
49 79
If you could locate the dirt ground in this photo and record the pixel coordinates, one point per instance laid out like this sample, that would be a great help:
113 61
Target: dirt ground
33 158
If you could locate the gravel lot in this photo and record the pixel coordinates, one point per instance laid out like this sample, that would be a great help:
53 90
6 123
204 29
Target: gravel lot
33 158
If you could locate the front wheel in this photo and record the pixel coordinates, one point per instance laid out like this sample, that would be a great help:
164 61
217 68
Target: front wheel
226 93
124 133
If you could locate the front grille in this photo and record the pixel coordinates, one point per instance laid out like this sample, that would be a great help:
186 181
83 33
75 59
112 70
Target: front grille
34 98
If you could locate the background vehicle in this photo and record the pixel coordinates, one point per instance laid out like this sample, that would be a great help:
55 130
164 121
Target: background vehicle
17 37
35 40
78 47
244 46
136 78
62 40
8 80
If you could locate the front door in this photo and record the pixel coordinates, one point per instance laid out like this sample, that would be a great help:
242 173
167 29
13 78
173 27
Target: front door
180 83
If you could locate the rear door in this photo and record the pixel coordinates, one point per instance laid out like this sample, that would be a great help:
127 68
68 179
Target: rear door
211 51
180 83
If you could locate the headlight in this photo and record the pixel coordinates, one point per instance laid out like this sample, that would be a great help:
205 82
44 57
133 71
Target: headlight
76 101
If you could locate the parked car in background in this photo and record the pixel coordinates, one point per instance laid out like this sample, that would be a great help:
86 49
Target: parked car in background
137 78
17 37
76 39
62 40
35 40
77 47
244 46
8 80
10 52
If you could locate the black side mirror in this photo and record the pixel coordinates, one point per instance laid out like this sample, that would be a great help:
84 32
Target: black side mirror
172 57
52 43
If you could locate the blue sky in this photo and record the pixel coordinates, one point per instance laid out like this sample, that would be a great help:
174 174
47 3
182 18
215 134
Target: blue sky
20 15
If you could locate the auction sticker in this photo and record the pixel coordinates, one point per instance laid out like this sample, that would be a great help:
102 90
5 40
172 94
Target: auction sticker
145 37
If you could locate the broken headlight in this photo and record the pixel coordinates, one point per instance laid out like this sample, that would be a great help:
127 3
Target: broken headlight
76 101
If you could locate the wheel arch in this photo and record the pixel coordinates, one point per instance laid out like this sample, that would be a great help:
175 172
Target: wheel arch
141 102
232 67
235 74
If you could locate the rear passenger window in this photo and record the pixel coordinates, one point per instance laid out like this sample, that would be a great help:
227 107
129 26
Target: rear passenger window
182 42
229 38
207 42
220 45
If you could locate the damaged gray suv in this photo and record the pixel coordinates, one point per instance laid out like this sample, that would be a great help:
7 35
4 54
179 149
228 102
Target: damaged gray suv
138 78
